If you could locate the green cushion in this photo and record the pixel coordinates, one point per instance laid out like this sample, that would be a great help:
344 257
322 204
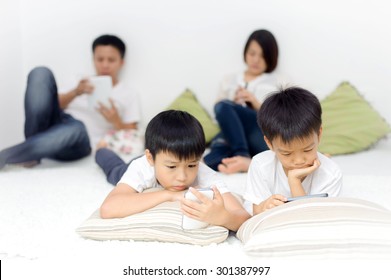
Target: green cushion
350 124
188 102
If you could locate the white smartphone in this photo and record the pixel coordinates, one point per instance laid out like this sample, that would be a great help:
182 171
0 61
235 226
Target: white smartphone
289 199
189 223
102 89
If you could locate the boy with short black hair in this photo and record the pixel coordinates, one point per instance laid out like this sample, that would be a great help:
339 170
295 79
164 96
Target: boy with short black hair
291 122
174 143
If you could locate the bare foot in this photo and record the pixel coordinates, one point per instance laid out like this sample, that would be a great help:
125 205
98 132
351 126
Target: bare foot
101 144
30 164
234 165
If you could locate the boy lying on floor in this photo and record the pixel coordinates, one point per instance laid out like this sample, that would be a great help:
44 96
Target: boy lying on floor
174 145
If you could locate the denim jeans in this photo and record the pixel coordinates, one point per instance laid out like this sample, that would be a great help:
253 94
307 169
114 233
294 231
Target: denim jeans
239 136
112 165
49 132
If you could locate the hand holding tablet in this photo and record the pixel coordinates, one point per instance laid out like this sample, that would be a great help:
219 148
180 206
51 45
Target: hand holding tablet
102 89
189 223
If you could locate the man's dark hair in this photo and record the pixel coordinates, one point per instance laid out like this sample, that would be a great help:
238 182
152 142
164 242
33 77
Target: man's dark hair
269 47
175 132
110 40
291 113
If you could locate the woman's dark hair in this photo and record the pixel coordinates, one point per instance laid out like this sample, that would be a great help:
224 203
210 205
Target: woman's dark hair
291 113
110 40
269 47
175 132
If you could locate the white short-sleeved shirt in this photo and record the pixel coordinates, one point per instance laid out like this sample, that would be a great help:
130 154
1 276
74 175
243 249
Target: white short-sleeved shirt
140 175
260 86
126 101
266 177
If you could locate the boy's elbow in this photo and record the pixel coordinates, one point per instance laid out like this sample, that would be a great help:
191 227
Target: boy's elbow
106 211
236 219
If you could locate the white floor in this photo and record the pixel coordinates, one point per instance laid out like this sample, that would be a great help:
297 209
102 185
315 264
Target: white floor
41 207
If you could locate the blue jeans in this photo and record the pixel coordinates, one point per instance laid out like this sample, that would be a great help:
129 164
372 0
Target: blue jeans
240 134
49 132
112 165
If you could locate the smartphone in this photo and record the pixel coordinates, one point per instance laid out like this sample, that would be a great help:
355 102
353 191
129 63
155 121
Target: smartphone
289 199
189 223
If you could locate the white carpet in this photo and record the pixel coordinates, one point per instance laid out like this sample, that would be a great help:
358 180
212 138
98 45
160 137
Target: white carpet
41 207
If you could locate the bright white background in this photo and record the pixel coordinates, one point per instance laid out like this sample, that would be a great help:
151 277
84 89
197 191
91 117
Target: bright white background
174 44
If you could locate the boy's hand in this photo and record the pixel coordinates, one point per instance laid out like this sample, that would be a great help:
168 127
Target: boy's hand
303 172
273 201
296 176
208 210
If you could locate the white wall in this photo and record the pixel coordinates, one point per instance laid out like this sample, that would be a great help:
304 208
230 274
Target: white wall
11 79
174 44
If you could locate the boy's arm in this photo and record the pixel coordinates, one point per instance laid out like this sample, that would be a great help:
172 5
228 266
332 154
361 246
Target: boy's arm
124 201
235 215
296 187
224 210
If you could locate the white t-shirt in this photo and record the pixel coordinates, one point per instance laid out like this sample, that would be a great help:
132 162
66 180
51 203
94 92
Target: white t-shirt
266 177
126 101
140 175
260 86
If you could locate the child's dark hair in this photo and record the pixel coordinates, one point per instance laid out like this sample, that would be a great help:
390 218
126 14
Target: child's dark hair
175 132
269 47
110 40
291 113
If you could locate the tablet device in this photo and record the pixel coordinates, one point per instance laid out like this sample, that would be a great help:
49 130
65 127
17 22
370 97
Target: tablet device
289 199
189 223
102 90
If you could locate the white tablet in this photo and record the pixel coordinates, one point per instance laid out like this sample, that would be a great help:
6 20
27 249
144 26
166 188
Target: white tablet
102 90
189 223
289 199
